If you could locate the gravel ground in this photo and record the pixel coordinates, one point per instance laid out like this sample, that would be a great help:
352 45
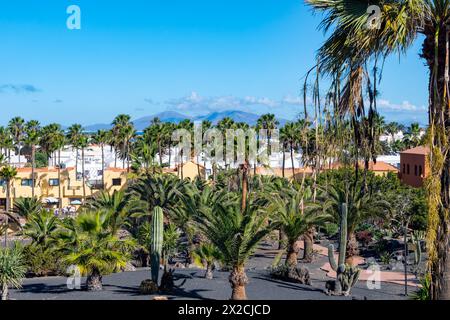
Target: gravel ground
191 285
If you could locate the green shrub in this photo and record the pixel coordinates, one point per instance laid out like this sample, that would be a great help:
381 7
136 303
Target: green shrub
41 262
331 229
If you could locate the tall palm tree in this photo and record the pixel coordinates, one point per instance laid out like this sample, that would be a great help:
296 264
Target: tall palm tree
17 128
102 138
224 125
32 129
8 173
74 134
235 233
268 122
352 43
52 141
83 143
6 142
412 137
291 133
123 132
392 128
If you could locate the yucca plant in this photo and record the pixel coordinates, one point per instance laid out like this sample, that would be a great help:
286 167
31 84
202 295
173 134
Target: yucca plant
12 269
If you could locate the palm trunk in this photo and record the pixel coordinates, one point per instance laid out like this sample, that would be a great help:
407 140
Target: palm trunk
238 280
103 168
292 162
435 51
8 206
160 153
209 271
308 239
244 169
292 254
33 166
352 248
59 180
76 163
94 281
83 176
284 163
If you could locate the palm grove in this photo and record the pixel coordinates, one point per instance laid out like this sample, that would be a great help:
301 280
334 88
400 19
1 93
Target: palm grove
216 221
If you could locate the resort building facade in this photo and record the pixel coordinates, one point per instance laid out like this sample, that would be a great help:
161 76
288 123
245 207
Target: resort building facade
414 166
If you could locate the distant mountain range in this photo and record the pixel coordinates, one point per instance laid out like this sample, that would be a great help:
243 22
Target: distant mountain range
175 117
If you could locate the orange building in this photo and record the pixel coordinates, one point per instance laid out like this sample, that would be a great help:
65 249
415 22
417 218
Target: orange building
414 166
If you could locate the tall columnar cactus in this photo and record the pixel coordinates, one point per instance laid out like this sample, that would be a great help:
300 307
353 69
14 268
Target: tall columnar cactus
347 276
157 242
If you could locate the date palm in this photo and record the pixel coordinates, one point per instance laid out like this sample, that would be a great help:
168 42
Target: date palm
268 122
354 41
296 214
74 134
102 139
17 128
8 173
41 227
236 234
32 130
26 207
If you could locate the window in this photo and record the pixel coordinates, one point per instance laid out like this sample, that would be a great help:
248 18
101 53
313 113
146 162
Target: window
27 182
404 168
53 182
420 171
117 182
407 169
415 170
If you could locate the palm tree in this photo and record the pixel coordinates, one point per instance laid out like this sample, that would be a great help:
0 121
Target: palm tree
412 137
17 128
269 123
295 217
41 227
224 125
83 143
235 233
12 269
360 205
290 133
32 129
8 173
74 134
118 204
89 243
102 138
26 207
123 133
352 43
392 128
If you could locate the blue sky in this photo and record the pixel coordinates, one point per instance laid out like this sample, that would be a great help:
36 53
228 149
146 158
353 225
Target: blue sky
192 56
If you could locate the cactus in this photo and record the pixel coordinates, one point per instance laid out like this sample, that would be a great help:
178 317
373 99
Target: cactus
346 275
157 242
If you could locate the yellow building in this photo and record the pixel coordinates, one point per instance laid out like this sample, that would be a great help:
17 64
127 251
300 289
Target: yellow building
49 186
189 170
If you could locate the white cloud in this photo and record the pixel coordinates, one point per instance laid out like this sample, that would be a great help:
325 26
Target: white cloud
404 106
